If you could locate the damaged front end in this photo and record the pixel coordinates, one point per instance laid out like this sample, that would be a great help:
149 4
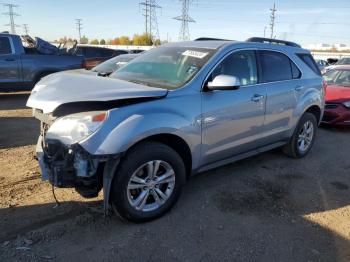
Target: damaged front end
64 163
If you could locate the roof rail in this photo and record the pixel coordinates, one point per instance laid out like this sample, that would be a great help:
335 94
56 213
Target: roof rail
210 39
272 41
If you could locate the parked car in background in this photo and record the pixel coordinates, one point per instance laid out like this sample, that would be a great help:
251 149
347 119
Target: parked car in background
337 109
95 55
332 61
340 62
23 66
108 67
322 64
178 109
136 51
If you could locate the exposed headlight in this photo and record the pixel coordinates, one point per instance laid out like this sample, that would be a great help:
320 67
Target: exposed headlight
74 128
347 104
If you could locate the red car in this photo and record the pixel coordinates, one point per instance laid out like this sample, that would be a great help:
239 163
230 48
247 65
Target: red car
337 109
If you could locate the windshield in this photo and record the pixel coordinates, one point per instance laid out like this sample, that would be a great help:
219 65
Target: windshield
338 77
113 64
165 67
343 61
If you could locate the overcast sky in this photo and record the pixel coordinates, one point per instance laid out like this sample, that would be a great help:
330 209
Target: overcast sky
304 21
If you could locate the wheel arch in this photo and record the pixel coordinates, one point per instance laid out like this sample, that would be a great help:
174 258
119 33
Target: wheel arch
177 143
316 111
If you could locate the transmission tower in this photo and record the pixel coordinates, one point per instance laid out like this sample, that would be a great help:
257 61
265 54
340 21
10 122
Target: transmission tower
12 15
185 19
151 23
79 27
272 19
26 29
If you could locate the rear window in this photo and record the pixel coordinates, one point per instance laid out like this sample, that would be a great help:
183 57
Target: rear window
310 62
5 46
277 67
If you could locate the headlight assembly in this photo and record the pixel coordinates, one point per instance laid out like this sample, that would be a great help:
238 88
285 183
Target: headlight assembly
74 128
347 104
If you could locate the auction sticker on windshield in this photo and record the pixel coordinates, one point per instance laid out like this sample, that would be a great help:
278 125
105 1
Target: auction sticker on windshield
195 54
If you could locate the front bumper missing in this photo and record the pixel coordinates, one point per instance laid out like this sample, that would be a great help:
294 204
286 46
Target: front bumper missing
66 166
62 173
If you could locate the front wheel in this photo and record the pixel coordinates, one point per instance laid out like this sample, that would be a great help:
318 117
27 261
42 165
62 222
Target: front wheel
148 182
303 138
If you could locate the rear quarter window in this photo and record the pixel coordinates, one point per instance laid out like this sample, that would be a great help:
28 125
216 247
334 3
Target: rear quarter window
276 66
310 62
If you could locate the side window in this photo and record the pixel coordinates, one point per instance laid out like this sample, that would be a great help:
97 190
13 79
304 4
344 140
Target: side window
310 62
277 67
121 52
79 51
92 52
107 53
241 64
5 46
295 70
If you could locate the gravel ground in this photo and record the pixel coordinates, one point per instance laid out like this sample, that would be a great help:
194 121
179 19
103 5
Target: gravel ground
265 208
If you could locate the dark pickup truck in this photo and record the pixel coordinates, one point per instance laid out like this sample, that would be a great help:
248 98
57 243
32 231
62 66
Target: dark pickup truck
21 67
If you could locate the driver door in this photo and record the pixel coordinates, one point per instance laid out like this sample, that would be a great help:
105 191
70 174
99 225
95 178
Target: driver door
232 120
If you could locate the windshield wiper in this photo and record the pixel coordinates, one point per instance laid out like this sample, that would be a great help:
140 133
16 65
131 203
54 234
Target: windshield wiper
139 82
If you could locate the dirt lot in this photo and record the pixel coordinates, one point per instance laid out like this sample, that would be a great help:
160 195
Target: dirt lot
265 208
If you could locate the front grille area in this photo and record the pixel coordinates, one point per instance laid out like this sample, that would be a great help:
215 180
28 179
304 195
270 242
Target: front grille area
331 106
327 118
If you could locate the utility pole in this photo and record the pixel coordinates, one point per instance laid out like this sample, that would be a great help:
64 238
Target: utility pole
79 27
272 19
12 15
150 13
26 29
265 31
185 19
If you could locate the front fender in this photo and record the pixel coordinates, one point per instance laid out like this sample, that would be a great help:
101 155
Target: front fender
131 124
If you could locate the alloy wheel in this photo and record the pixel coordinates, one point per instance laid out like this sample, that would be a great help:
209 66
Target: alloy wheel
151 185
305 136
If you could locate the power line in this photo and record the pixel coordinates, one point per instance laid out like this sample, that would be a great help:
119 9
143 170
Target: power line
79 27
151 23
12 15
26 29
185 19
273 17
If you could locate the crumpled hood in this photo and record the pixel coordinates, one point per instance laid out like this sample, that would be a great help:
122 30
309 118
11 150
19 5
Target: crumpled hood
67 87
337 93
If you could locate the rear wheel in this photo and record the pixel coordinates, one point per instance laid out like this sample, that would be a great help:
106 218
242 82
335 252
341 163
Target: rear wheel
303 138
148 182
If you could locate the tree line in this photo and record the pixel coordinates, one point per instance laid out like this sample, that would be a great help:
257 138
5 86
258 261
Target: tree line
138 39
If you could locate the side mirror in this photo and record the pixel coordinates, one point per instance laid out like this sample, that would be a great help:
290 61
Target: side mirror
105 74
224 82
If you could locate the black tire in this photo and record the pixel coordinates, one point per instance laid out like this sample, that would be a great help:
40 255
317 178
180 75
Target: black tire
292 148
135 158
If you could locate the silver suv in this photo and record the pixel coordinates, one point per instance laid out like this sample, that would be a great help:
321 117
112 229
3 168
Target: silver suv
176 110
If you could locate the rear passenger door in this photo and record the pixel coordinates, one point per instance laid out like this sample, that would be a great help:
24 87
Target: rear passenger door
281 77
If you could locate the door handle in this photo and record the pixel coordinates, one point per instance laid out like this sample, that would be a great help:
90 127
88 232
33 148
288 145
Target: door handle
257 98
9 59
299 88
